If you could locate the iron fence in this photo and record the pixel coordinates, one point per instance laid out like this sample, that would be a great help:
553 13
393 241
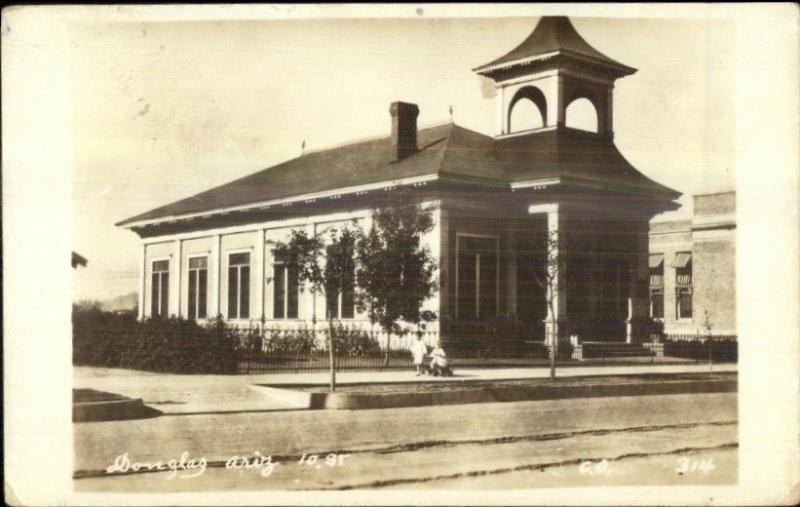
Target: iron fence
179 346
361 351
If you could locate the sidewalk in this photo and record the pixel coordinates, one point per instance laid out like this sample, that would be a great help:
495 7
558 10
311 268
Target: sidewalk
192 394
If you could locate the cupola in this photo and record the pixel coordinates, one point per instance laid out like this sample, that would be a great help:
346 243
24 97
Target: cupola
554 68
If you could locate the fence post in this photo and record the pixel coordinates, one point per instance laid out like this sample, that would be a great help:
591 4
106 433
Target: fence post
710 342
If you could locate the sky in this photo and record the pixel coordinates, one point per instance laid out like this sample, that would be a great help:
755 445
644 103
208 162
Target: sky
162 110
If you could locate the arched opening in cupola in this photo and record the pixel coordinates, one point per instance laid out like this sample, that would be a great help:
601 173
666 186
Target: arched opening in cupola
581 114
528 110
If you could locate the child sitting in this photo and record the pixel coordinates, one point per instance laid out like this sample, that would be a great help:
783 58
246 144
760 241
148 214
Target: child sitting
439 364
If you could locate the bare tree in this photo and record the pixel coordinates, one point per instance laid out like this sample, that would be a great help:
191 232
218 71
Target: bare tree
549 279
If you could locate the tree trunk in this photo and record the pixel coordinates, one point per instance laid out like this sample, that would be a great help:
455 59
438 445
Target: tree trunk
331 355
386 354
554 345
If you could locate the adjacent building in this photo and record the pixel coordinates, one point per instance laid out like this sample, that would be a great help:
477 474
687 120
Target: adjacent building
493 199
693 269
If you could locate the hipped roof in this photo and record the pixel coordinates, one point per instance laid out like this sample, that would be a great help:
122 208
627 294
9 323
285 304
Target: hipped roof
445 152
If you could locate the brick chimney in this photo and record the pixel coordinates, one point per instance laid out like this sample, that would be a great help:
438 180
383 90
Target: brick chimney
404 129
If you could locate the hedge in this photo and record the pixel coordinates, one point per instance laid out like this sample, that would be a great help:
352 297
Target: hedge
163 345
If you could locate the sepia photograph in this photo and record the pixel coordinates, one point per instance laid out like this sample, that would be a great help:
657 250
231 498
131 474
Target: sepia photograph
406 251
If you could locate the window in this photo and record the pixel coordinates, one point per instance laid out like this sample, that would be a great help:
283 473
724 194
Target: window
477 278
342 305
683 285
683 276
657 303
285 290
198 287
684 302
656 286
239 286
159 296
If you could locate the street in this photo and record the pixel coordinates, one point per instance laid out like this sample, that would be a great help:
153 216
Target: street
642 440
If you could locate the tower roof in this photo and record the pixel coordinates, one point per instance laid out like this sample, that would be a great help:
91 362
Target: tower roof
555 36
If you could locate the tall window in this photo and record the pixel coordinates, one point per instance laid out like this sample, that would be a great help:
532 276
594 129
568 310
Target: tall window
285 290
198 287
683 285
477 277
342 304
657 286
239 286
159 296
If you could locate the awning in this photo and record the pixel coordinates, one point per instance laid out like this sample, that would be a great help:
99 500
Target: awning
682 259
656 260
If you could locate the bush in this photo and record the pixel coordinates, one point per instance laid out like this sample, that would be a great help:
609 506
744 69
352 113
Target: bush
164 345
351 342
700 350
292 342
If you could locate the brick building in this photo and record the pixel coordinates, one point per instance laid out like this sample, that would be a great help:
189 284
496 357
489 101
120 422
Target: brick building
693 268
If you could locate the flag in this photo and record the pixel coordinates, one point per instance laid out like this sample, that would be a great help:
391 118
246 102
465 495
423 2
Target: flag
451 111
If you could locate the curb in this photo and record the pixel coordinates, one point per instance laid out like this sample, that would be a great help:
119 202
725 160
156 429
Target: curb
345 401
113 410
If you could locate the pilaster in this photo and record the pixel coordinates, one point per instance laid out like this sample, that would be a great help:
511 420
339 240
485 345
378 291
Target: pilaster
175 282
142 281
215 263
638 290
260 276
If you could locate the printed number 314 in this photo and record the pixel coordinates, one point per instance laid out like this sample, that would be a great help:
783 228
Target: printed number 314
703 465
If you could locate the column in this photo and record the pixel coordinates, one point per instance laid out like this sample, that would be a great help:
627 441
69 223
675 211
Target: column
609 115
446 273
142 281
638 290
501 110
510 263
556 109
594 281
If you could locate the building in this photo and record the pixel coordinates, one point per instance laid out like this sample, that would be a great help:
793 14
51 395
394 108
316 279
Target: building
693 269
78 260
493 199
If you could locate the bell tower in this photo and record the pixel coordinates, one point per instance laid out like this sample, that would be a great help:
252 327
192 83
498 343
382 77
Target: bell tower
552 68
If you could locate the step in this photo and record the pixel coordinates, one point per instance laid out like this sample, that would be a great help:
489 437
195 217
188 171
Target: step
615 349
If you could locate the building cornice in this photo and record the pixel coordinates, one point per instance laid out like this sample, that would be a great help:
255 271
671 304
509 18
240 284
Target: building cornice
304 198
615 68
